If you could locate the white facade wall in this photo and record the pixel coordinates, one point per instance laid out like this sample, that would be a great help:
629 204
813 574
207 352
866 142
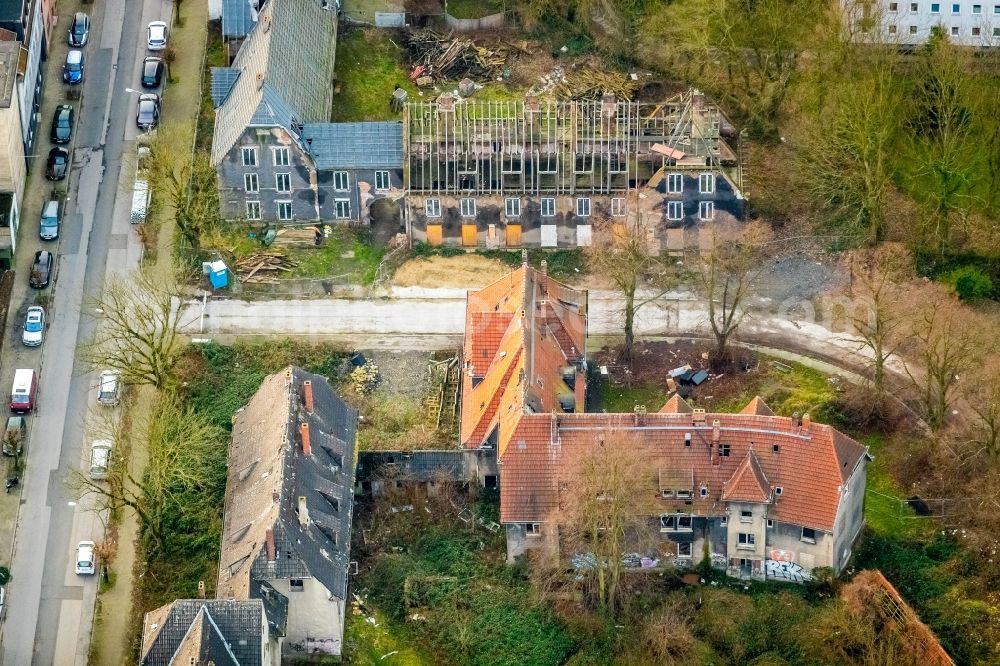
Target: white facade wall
315 620
909 22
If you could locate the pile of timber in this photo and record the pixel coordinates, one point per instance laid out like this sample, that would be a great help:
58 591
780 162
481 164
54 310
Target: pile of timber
263 267
298 236
437 57
589 83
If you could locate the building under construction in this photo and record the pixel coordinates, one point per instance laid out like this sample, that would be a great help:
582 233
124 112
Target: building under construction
538 173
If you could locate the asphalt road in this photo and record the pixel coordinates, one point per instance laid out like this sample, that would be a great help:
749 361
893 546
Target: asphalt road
50 609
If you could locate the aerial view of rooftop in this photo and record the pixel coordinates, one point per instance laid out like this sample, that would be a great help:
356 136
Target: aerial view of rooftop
500 332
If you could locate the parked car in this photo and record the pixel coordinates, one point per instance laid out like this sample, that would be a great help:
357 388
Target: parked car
86 564
100 459
34 326
23 391
147 112
156 36
41 269
14 436
73 69
48 225
109 388
62 124
79 30
152 72
57 165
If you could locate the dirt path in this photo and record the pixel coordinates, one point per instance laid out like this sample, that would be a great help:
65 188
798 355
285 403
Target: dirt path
118 610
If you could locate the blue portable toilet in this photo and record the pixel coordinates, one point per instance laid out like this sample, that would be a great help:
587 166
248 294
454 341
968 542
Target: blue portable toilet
218 274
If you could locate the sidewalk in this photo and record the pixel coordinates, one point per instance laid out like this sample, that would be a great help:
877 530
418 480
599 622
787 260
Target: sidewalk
119 616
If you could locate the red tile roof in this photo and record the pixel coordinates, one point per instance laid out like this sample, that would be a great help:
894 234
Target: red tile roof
676 405
748 483
757 406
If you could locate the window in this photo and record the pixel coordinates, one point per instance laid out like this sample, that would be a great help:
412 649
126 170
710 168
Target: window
977 9
666 493
341 181
548 207
996 32
913 6
893 6
745 540
250 157
975 31
583 207
382 181
703 492
684 550
548 163
618 207
250 182
778 490
687 439
253 210
706 210
677 522
770 523
675 183
467 207
683 494
513 206
913 29
432 208
956 9
996 9
724 450
533 529
892 29
706 183
775 448
343 208
746 516
808 535
724 521
283 182
935 8
296 585
617 164
284 209
279 156
675 210
954 31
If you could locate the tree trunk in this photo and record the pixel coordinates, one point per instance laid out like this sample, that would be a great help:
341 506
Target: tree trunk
629 347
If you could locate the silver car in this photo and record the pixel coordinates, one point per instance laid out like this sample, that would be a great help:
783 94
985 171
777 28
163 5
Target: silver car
147 112
34 327
156 36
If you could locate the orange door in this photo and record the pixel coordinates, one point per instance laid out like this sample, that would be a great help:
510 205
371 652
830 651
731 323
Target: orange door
470 235
434 234
513 235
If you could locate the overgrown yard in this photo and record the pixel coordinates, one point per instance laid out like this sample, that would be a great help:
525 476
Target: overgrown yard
370 64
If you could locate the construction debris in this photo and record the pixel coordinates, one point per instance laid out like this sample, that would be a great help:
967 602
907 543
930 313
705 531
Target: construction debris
262 267
584 83
298 236
443 58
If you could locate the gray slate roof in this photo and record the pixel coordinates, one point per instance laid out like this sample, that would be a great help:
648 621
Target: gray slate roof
269 472
237 18
355 145
286 86
224 631
223 79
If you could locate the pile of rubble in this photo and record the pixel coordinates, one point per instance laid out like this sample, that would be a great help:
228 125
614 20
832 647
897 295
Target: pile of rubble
437 58
263 267
585 82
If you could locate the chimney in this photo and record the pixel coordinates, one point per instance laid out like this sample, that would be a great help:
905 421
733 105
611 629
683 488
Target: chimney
269 546
306 445
201 589
716 431
698 99
545 267
554 439
797 419
806 421
698 416
524 257
303 511
640 415
307 395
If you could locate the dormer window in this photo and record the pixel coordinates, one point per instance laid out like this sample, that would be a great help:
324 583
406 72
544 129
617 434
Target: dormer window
704 491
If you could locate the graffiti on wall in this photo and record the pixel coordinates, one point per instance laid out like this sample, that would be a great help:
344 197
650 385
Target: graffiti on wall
719 560
322 645
781 564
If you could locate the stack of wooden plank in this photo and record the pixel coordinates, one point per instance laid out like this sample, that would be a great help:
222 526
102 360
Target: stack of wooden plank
298 236
263 267
444 58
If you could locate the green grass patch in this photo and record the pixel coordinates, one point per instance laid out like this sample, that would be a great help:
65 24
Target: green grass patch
624 398
346 254
473 9
369 67
886 514
368 643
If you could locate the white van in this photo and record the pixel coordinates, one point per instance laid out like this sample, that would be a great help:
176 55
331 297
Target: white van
109 388
100 459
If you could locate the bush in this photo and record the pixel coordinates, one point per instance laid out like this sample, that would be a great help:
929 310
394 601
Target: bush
971 283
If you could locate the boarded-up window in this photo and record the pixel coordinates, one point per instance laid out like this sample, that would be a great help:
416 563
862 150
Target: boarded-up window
434 234
469 235
513 235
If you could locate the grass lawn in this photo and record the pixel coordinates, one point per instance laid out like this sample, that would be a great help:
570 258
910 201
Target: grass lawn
625 398
369 67
345 254
473 9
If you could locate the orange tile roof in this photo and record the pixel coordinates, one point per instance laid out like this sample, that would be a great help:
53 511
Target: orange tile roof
805 462
676 405
748 483
757 406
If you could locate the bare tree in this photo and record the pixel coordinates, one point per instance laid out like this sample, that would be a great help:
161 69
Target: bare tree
727 273
138 332
982 393
945 339
623 252
605 507
878 320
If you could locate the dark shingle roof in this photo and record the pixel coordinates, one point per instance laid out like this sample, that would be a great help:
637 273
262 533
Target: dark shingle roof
355 145
223 79
237 17
224 631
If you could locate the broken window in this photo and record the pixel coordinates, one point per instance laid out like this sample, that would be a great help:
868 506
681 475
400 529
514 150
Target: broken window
618 207
746 540
432 207
296 584
724 450
617 163
675 522
253 210
533 529
547 163
808 535
684 550
683 494
746 516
